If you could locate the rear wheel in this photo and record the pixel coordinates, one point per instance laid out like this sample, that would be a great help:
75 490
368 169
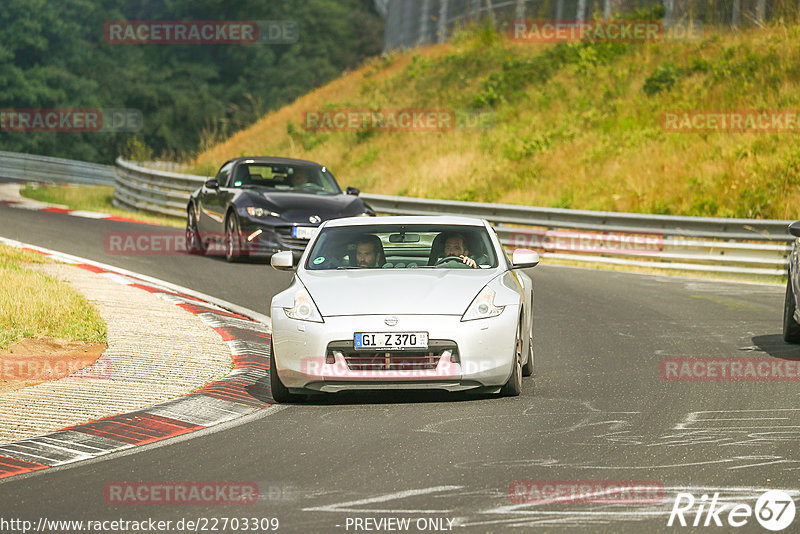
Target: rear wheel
527 369
280 393
194 244
513 387
791 330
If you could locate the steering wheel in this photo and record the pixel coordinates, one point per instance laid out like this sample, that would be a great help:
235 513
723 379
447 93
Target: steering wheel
449 258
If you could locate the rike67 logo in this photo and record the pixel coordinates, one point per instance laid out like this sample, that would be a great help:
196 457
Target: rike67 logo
774 510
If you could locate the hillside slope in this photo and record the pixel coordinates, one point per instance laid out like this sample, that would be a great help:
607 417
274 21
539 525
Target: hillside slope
567 125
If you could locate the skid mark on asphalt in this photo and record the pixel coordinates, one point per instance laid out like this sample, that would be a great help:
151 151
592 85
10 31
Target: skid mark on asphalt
736 427
559 420
733 304
362 505
697 434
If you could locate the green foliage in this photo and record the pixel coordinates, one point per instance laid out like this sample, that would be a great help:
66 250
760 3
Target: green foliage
662 79
655 12
308 138
54 55
520 148
417 66
517 73
137 150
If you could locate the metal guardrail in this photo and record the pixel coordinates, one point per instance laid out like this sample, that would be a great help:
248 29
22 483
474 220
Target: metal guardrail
151 190
46 169
735 246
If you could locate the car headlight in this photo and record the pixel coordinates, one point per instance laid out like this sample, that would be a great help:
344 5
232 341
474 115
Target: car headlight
304 308
261 212
483 306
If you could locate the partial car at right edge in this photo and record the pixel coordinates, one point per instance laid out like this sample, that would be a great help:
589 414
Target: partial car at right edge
791 316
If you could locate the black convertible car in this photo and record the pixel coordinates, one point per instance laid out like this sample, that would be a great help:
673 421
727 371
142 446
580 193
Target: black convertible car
256 206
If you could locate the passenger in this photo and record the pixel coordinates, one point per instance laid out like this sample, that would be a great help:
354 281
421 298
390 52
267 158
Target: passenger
369 252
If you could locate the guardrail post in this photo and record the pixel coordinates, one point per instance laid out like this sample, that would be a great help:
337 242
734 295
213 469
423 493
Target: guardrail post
442 37
581 14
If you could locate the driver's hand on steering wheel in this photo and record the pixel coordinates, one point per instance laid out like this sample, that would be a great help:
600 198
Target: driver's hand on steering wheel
469 261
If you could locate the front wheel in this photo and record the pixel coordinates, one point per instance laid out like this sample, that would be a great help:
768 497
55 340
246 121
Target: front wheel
513 387
280 393
233 239
791 330
194 245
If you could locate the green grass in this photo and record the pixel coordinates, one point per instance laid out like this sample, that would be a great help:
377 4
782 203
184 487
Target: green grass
92 198
573 125
33 304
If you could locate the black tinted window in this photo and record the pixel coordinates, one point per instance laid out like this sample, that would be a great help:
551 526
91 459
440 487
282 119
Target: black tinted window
401 247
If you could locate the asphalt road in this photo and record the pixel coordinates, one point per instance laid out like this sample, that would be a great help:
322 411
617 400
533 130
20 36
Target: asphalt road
596 410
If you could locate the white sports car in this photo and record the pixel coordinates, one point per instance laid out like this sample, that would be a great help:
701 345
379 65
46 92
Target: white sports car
403 303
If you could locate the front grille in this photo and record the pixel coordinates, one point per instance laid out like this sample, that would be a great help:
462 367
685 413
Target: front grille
285 236
398 360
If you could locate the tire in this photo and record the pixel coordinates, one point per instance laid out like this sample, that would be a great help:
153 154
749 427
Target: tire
280 393
791 330
233 239
513 387
527 369
194 245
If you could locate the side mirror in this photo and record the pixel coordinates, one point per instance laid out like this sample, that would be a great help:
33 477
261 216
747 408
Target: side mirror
283 260
212 183
523 258
352 191
794 228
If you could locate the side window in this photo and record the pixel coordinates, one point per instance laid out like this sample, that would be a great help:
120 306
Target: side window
224 173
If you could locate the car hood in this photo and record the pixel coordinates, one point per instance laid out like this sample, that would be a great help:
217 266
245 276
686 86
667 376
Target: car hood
298 207
387 291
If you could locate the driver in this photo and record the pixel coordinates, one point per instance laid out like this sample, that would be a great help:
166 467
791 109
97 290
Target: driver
455 245
298 178
369 251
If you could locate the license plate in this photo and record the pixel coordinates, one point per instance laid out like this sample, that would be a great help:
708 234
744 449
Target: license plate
303 232
391 340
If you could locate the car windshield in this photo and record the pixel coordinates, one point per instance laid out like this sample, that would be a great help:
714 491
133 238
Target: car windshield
286 177
405 246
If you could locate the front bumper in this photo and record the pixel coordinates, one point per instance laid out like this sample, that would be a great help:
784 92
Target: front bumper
264 240
461 356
